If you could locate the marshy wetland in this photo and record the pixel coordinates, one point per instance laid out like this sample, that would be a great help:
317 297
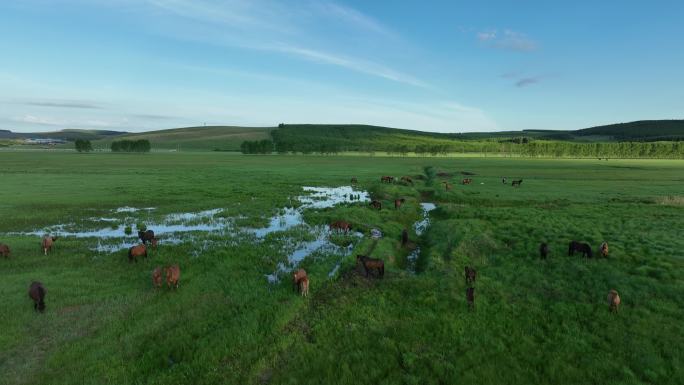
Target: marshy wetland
238 225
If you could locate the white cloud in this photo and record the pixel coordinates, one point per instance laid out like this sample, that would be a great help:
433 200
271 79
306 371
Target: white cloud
508 40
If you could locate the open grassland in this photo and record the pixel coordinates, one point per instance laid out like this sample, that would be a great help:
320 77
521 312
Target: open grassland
534 322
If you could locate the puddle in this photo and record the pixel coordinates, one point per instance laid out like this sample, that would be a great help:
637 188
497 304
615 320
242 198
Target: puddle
127 209
424 223
287 219
420 227
325 197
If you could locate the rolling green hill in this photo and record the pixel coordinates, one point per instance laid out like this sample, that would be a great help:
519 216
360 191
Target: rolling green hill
224 138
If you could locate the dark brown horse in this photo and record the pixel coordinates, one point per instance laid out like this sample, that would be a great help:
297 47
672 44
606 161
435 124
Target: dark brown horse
544 250
297 276
516 183
37 293
467 181
46 243
470 297
136 251
387 179
372 263
354 180
447 186
398 202
157 277
146 236
4 250
407 179
583 248
404 237
340 226
604 249
376 205
172 276
470 275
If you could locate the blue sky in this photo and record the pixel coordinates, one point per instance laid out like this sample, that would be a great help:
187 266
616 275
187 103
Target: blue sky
448 66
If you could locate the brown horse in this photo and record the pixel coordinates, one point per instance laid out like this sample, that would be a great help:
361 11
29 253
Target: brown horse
407 179
583 248
157 277
386 179
304 286
613 301
354 180
470 297
4 250
372 263
146 236
404 237
447 186
340 226
543 250
46 243
297 276
516 183
172 276
136 251
467 181
376 205
470 275
37 293
399 202
604 249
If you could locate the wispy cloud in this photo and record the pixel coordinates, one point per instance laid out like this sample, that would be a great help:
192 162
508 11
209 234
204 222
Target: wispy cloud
508 40
279 28
524 82
60 104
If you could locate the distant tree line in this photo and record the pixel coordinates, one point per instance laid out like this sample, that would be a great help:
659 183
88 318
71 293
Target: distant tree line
140 145
83 145
263 146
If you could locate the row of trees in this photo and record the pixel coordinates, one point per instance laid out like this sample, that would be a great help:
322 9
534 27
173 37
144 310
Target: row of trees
83 145
512 148
140 145
264 146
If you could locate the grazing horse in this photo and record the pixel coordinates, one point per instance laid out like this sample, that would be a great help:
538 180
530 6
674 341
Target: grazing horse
447 186
340 225
47 243
604 249
470 275
613 301
544 250
354 180
4 250
467 181
157 277
404 237
387 179
136 251
398 202
583 248
146 236
470 297
304 286
516 183
407 179
172 276
372 263
37 293
376 205
297 276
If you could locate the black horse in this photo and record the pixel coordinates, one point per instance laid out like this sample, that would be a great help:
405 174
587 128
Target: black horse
583 248
146 236
544 250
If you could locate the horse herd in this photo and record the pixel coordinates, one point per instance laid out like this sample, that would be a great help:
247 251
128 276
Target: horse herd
37 290
300 279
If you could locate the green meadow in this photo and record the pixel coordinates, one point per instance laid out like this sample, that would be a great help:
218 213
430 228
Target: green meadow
534 321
